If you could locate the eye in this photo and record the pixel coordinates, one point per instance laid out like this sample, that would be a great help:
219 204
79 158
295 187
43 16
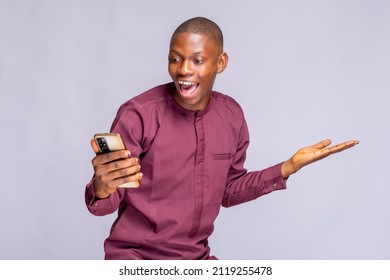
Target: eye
174 59
198 61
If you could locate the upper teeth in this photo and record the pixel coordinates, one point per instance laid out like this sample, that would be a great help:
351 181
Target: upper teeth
186 83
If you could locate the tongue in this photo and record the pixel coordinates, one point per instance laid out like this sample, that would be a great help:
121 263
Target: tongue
187 90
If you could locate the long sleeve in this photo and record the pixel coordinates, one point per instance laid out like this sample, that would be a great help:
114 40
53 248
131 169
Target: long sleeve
101 207
244 186
129 123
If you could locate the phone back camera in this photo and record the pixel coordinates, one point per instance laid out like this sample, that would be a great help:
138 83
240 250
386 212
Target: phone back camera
103 145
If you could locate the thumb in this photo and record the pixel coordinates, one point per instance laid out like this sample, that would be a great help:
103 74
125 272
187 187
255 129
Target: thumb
95 146
323 144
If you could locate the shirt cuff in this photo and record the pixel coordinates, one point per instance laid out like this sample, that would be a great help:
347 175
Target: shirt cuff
274 181
94 204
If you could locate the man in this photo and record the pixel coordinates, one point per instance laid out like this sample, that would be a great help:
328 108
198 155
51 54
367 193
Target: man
191 142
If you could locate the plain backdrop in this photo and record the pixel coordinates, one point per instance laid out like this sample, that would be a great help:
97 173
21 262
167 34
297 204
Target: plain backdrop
302 70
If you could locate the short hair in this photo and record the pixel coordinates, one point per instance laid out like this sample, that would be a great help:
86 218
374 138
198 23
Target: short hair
201 26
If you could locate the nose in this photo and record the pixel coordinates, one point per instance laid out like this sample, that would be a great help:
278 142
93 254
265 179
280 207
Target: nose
185 68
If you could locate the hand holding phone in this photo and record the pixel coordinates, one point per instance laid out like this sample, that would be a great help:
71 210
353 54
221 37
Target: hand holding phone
116 168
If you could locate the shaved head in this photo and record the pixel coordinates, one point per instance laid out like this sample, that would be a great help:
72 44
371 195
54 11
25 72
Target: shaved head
201 26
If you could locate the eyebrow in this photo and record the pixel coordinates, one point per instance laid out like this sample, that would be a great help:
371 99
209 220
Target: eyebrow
196 53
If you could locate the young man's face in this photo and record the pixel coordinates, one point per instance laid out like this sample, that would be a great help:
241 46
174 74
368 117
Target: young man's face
194 62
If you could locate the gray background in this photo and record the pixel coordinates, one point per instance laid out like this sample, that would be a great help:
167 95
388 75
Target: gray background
302 70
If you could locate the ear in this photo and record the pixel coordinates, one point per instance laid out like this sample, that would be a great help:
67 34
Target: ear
222 62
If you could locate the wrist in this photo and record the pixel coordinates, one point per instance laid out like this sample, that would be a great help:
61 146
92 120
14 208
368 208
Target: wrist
288 168
100 194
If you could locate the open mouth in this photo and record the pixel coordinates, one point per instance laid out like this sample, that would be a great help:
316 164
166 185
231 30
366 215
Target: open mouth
187 88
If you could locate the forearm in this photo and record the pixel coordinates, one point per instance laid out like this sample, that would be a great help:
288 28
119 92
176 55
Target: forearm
253 185
288 168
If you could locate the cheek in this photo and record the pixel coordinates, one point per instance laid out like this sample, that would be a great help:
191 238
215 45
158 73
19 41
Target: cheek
207 76
171 70
208 71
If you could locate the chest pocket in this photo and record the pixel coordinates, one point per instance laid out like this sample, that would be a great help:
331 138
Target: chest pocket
224 156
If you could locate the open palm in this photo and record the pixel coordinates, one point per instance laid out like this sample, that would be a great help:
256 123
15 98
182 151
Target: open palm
314 153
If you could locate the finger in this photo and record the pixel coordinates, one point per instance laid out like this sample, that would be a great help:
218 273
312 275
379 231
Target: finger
122 173
121 164
94 146
129 179
109 157
322 144
107 171
342 146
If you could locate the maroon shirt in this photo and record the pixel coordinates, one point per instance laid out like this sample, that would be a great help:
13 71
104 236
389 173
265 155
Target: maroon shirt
192 164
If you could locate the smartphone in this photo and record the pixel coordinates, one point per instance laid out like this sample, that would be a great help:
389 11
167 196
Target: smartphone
108 142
